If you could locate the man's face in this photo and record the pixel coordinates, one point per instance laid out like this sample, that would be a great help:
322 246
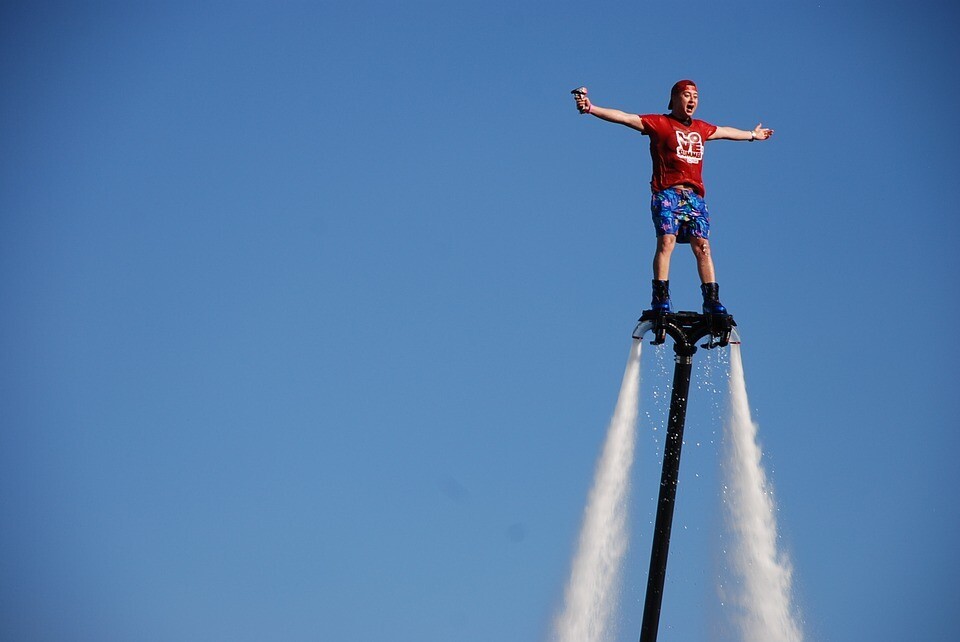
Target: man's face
685 103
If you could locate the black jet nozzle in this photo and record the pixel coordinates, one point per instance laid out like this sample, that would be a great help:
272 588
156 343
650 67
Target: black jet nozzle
721 327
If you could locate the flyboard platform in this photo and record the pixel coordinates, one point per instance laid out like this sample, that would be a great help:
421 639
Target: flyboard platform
686 328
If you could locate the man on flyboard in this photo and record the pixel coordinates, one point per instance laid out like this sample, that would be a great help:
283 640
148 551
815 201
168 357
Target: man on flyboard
679 211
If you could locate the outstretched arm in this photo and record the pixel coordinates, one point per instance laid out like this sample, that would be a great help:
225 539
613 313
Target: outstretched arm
584 106
732 133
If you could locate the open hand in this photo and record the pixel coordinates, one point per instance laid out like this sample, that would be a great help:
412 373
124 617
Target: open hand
761 133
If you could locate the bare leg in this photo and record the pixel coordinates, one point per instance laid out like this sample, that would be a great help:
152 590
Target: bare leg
701 250
661 260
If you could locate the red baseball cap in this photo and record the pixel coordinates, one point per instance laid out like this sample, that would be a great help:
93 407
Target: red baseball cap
679 86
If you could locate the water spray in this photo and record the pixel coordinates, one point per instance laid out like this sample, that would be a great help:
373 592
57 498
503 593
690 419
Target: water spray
593 589
761 593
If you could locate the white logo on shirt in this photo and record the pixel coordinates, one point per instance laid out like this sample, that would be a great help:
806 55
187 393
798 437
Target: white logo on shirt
690 146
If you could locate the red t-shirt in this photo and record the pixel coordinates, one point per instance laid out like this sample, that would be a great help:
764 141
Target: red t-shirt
676 150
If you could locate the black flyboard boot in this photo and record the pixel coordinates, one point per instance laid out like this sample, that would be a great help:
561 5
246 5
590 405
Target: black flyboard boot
711 299
661 296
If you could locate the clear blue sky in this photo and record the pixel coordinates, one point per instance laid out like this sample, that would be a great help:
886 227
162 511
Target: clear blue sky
313 314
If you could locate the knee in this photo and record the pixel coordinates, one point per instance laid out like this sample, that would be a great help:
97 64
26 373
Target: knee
701 248
666 243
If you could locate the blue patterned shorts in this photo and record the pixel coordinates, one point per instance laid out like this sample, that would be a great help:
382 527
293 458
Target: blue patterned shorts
680 212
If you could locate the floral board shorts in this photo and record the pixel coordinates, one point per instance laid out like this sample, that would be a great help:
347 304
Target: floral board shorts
680 212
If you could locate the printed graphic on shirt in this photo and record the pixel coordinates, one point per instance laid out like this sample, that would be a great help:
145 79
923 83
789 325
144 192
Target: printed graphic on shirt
690 146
